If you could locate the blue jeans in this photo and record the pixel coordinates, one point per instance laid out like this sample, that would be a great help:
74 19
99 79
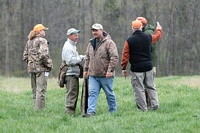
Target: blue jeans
95 85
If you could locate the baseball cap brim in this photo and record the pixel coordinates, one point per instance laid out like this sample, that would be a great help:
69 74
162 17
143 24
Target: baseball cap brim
72 31
95 29
76 31
45 28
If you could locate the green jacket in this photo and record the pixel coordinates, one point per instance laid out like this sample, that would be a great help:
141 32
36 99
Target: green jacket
149 29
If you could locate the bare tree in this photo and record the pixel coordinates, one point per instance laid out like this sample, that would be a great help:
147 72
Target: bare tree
177 50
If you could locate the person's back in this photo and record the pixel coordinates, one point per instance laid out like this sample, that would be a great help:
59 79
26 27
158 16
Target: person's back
35 59
140 51
148 29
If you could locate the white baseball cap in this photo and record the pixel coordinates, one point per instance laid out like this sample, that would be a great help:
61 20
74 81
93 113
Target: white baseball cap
72 31
97 26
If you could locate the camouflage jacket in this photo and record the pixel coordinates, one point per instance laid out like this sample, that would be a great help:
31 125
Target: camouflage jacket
102 58
36 54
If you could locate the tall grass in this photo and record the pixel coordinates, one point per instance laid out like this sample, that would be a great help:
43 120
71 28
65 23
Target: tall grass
178 97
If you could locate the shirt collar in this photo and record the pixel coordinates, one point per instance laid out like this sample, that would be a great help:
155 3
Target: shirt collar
71 42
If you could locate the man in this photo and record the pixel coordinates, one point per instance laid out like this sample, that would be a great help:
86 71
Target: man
137 50
37 56
71 57
149 29
100 62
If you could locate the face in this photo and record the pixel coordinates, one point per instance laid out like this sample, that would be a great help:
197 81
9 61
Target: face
73 37
97 33
42 32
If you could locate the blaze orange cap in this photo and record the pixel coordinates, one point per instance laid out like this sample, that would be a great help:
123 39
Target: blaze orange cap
39 27
136 24
142 20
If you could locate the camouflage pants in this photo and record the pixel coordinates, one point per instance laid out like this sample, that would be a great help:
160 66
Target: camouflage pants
72 91
39 85
141 81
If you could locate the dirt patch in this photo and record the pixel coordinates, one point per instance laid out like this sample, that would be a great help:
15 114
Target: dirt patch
192 81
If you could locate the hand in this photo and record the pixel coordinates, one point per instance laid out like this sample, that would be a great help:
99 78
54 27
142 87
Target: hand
109 74
124 73
85 74
82 57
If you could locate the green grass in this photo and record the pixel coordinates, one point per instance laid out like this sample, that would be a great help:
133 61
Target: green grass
178 97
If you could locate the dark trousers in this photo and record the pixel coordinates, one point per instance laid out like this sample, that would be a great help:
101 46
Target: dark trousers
72 91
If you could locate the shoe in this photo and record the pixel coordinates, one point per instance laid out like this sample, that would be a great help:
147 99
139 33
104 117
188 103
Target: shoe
155 108
69 112
86 115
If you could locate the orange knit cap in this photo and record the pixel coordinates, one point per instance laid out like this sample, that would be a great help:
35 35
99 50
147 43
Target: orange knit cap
142 20
39 27
136 24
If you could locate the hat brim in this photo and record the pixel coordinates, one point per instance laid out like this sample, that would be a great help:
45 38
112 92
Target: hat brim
77 31
45 28
95 29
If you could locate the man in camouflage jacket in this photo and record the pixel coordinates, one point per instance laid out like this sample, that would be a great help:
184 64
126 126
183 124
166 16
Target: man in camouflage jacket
100 62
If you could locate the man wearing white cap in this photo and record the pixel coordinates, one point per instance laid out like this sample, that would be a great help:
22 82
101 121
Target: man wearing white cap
71 57
100 62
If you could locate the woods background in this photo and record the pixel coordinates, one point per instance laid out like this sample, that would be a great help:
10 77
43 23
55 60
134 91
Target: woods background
177 50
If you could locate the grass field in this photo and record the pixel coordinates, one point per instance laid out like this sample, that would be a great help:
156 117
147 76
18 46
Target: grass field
179 112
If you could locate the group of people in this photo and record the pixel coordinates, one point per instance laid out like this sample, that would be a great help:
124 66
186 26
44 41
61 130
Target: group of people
100 61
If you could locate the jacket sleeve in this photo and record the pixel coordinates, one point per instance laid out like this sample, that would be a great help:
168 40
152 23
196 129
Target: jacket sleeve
114 57
87 59
44 54
43 50
156 36
25 54
125 56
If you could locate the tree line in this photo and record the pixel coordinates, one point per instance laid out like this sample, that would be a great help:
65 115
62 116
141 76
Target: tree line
177 50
